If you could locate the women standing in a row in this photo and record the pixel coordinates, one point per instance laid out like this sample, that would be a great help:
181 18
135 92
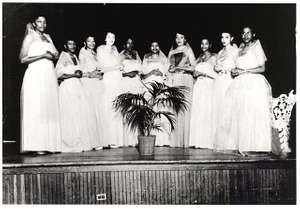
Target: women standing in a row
111 65
245 125
201 112
154 68
225 62
182 60
78 118
40 120
131 82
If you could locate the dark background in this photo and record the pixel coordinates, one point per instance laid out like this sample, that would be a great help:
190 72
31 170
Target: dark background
274 24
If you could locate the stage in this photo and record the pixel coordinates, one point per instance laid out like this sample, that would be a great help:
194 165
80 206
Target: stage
171 176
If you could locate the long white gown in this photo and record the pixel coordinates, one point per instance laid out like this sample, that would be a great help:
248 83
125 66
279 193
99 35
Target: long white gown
133 85
78 121
182 58
201 112
246 124
40 120
113 126
88 63
161 63
226 59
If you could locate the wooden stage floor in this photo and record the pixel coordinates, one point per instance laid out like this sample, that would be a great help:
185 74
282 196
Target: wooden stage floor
172 176
129 155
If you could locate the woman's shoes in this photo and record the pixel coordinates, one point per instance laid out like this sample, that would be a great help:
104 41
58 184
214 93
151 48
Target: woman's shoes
113 146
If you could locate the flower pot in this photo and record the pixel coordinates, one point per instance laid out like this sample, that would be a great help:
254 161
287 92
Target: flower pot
146 145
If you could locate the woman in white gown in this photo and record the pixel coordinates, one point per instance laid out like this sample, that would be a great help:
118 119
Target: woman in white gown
40 120
201 112
111 65
225 62
155 68
245 126
131 82
182 66
78 121
92 81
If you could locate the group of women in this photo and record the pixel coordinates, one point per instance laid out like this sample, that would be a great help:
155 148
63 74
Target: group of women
229 98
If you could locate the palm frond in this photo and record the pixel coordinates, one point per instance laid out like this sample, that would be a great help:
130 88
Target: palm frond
157 127
139 118
125 101
169 116
175 91
144 115
173 97
155 89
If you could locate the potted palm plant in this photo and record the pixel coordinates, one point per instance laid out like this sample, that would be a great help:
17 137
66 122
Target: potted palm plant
143 111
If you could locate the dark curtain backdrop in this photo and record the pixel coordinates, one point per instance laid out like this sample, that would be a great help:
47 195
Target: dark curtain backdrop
275 26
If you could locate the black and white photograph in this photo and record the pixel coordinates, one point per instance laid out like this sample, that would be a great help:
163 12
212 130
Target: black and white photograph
140 103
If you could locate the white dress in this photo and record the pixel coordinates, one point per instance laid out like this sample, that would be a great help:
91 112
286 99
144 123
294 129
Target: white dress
161 63
180 58
225 59
201 112
246 124
88 63
113 126
78 121
133 85
40 120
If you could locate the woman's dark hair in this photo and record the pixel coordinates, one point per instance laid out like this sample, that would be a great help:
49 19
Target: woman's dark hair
154 41
250 27
36 16
88 36
227 31
126 39
181 33
252 30
210 43
125 42
205 38
69 39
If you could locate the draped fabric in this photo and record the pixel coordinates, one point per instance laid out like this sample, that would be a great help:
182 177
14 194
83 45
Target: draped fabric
32 36
182 58
78 121
88 63
160 62
88 60
151 62
108 57
40 120
245 125
201 112
226 60
132 63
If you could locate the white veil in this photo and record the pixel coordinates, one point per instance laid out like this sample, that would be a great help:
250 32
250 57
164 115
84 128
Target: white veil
29 29
30 37
161 58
